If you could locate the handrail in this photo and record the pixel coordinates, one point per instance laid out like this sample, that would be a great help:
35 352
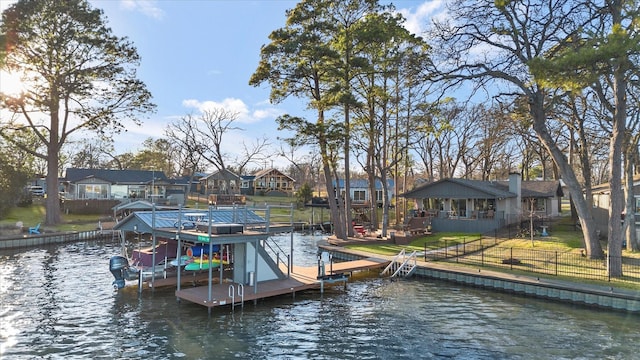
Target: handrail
393 262
401 263
232 295
406 263
268 247
241 294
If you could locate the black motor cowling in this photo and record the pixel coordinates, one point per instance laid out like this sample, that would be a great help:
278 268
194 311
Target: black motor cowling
118 266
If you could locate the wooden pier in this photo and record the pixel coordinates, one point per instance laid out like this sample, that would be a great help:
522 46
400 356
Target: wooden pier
302 278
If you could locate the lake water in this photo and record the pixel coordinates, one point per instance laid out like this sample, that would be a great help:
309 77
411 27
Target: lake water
58 302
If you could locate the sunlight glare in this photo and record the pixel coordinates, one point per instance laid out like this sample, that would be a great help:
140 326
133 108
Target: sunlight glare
11 84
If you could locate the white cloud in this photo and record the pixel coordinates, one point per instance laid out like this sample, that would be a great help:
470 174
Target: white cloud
234 105
269 113
147 7
417 21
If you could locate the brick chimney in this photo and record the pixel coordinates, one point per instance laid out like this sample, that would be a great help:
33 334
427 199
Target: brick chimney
515 186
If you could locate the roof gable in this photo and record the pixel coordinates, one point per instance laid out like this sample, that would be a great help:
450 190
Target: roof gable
220 175
266 172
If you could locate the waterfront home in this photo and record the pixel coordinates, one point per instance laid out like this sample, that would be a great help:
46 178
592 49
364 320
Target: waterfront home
602 196
360 192
481 206
271 182
220 182
108 184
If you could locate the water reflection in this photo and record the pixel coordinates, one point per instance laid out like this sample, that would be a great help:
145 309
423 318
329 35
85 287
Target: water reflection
58 302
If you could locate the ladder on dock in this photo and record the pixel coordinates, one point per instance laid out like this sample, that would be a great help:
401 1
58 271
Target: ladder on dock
402 265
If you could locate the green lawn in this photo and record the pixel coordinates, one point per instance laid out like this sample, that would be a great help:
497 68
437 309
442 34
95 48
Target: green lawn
563 239
35 214
429 242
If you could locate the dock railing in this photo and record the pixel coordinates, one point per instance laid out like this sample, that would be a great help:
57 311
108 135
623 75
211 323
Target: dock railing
275 252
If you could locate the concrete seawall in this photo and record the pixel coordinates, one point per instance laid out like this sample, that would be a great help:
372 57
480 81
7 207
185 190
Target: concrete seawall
556 290
54 238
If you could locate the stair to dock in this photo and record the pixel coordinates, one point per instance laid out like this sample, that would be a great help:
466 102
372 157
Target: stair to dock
402 265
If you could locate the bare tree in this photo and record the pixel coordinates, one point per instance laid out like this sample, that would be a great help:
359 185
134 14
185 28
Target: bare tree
182 133
492 44
202 138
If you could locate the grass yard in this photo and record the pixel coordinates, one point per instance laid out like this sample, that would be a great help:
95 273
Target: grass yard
430 242
558 256
35 214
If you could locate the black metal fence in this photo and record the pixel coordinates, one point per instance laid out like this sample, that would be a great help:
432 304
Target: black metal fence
535 261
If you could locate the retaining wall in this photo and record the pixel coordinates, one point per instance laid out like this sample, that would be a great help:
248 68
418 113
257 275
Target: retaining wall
596 296
57 238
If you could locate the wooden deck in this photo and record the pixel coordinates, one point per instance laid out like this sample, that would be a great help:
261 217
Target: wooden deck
302 278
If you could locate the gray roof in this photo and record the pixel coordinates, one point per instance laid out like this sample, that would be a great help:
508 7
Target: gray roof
477 189
144 220
116 176
459 189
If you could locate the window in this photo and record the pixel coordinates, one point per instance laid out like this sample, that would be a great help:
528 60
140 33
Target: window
92 191
137 191
379 196
359 195
538 204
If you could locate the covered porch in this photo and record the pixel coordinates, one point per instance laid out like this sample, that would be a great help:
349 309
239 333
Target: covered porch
461 205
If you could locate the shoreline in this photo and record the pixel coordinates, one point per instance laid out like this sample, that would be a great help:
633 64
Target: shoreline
597 296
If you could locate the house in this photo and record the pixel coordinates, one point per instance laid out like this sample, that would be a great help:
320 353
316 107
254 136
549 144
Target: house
481 206
123 184
221 182
246 184
601 198
270 182
195 186
361 194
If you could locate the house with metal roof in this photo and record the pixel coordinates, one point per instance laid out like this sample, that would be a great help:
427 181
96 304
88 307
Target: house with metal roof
481 206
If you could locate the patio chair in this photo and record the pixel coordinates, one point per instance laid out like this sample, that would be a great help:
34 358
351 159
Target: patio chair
35 229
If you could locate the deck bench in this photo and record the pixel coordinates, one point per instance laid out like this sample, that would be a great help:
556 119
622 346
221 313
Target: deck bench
416 226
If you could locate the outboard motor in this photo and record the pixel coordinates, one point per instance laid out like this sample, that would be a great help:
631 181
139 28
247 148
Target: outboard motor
118 265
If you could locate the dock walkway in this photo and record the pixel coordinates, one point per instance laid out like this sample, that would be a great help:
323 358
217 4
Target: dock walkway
302 278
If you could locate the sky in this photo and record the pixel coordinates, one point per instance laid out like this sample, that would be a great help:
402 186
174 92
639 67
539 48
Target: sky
199 54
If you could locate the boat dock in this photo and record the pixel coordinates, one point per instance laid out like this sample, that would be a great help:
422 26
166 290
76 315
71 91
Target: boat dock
301 279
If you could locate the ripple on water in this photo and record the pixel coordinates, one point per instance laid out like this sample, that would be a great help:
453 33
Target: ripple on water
58 302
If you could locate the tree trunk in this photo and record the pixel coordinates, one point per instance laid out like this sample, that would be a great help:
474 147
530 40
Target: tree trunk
614 247
592 245
52 204
629 220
